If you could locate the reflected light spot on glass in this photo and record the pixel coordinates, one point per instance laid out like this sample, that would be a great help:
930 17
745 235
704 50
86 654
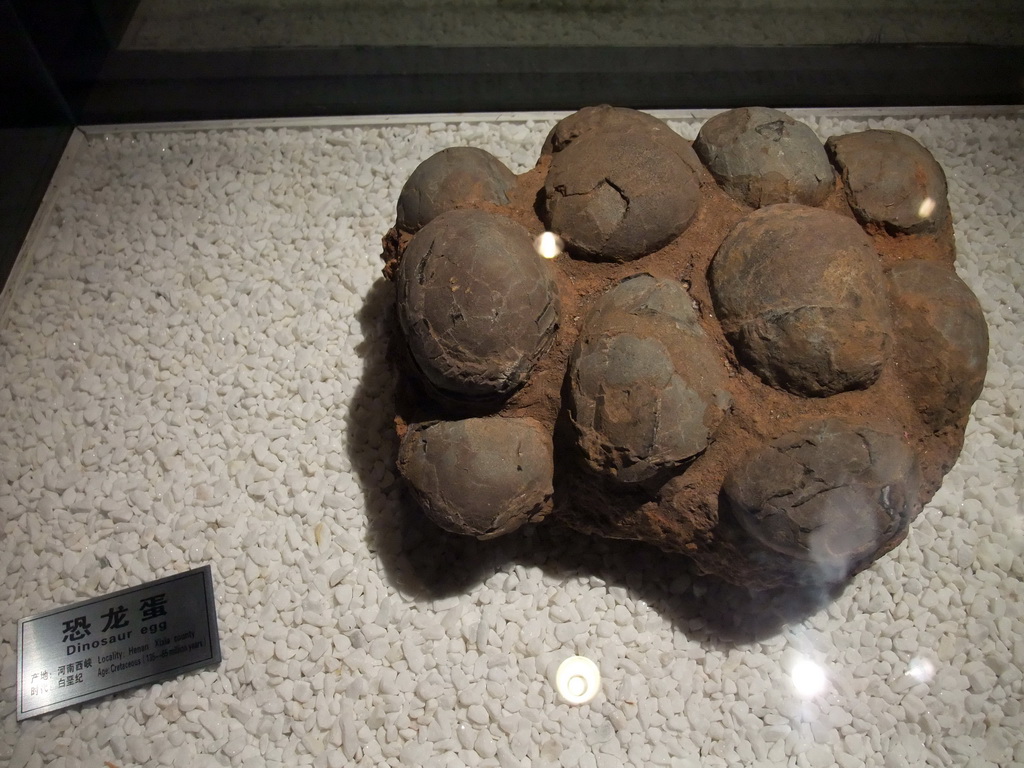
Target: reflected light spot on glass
921 669
577 685
578 680
808 678
548 244
926 208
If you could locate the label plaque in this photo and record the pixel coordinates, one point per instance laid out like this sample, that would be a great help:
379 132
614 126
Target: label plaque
134 637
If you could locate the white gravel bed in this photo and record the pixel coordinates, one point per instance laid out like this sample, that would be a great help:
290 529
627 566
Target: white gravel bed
191 371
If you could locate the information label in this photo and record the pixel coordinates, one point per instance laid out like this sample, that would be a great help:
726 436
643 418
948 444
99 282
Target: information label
127 639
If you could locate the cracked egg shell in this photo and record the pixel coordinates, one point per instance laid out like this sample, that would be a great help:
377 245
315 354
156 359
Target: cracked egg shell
891 180
762 156
481 477
619 194
797 291
830 494
477 305
941 340
647 388
450 179
605 118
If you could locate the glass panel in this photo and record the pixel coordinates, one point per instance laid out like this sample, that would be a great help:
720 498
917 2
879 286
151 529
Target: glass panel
194 370
194 25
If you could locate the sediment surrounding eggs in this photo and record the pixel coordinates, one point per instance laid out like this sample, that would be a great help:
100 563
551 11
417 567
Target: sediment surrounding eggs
701 336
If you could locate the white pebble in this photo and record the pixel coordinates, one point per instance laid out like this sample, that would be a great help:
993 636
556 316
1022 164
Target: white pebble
485 745
187 701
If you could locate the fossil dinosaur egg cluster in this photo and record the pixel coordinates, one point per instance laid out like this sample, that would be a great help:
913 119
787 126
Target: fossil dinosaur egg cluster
754 351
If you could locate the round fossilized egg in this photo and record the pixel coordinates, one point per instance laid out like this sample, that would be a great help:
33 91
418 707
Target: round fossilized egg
797 291
829 493
941 340
621 193
483 477
604 118
646 386
449 179
477 305
891 180
762 156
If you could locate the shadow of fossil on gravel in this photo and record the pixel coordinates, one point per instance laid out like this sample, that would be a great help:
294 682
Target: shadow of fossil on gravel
424 562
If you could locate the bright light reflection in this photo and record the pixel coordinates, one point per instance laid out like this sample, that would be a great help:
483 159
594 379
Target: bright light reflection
808 678
548 244
921 669
926 208
578 680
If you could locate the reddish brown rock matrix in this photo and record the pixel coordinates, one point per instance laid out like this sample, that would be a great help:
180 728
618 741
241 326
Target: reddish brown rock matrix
773 392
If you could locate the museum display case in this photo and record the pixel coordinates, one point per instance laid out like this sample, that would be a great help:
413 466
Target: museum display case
221 354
